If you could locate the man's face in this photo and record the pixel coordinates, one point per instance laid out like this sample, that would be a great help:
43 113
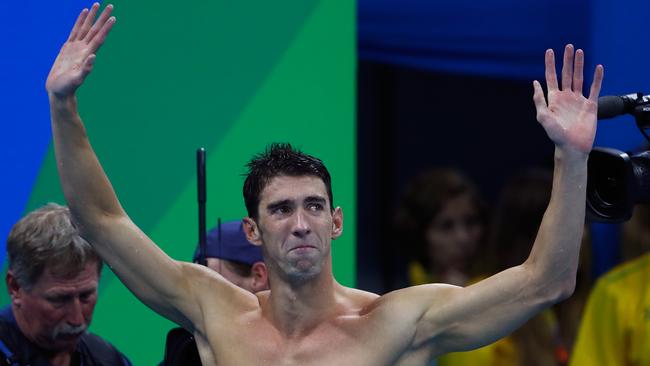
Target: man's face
296 225
57 311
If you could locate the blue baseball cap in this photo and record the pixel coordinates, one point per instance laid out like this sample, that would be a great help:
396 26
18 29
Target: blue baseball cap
229 242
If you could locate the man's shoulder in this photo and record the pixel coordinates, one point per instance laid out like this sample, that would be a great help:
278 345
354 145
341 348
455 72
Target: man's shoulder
360 295
9 331
408 301
100 350
14 346
6 315
353 298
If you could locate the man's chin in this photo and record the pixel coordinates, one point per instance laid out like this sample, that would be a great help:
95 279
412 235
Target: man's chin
65 341
305 265
305 270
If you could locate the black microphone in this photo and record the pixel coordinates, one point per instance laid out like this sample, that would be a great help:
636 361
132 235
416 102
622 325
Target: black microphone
610 106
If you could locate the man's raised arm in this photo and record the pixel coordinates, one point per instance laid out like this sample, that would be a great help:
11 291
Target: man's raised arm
162 283
449 318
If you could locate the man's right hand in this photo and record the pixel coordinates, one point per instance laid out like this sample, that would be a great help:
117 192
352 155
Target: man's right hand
77 56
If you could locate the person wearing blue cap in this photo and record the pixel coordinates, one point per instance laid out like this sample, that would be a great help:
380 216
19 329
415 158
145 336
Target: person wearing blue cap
229 253
308 318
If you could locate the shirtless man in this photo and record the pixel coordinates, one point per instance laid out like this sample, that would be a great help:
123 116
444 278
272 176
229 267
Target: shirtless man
307 318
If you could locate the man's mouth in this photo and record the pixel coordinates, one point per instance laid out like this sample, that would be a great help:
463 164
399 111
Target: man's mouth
301 248
69 336
67 332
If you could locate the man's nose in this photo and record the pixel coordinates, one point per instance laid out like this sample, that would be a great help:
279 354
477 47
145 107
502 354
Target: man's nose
300 224
75 313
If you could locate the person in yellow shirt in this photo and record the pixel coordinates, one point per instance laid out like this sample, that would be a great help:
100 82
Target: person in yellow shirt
615 328
443 217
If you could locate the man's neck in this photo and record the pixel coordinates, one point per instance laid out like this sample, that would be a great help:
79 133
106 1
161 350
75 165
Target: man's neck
61 359
297 309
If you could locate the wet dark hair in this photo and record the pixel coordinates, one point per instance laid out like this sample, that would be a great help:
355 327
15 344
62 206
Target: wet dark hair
277 160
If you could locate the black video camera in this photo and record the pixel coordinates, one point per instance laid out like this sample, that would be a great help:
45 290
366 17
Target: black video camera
618 180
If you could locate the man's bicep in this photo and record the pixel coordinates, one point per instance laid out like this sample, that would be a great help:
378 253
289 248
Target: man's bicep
403 312
461 319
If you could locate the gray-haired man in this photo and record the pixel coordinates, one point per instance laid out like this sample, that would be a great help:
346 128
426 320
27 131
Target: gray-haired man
52 281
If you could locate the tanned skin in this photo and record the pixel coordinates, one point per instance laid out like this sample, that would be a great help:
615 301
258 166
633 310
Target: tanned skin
307 318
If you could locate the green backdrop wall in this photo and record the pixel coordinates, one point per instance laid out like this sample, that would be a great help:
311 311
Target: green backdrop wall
231 77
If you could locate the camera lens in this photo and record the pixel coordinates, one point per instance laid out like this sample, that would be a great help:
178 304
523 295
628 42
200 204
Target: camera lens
608 191
610 183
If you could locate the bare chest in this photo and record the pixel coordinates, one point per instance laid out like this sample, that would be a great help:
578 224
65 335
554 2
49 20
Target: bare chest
343 341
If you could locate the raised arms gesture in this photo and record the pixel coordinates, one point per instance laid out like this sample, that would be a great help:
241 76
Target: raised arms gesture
165 285
568 118
77 56
465 318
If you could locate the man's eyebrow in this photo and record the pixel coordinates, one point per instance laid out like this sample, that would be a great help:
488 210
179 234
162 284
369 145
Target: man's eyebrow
316 199
56 292
59 295
88 289
277 204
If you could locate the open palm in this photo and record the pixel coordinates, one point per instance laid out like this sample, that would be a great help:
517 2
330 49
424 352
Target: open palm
76 58
569 118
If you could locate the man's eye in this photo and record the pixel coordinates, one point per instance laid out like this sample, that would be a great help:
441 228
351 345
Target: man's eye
86 296
57 300
315 207
282 210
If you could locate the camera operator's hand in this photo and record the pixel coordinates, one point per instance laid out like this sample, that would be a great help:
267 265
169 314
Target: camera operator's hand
569 118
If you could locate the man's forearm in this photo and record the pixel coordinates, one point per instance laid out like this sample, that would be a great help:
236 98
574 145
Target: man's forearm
85 186
555 253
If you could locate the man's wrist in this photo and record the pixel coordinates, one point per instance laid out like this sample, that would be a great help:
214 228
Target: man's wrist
570 156
58 101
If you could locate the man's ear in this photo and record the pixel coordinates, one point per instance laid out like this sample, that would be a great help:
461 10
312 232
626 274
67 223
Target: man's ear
337 222
260 277
13 288
252 231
